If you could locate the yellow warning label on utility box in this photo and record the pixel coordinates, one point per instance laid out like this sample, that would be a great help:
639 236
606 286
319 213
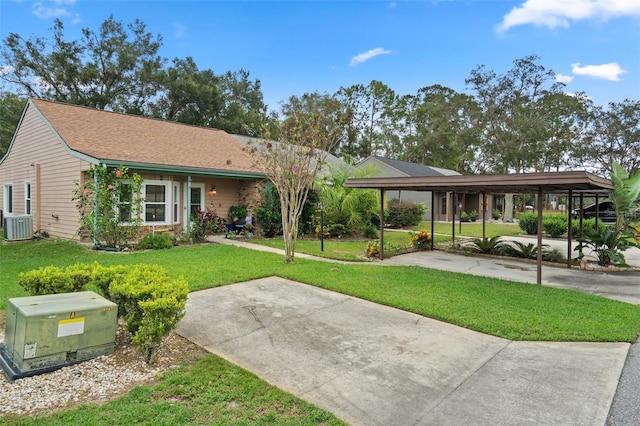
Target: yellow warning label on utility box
70 327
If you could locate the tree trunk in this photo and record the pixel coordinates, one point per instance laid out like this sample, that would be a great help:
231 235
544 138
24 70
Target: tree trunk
508 208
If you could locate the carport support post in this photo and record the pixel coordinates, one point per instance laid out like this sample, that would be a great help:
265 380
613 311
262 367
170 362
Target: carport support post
454 207
569 208
484 215
433 206
597 212
539 252
381 254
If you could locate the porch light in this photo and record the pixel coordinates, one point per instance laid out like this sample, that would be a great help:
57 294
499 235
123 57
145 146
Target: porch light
213 191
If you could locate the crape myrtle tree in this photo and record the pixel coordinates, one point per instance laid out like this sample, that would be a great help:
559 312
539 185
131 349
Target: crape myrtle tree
308 131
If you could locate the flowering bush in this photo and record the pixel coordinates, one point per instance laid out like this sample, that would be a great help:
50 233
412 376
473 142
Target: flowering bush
206 223
421 240
109 206
373 248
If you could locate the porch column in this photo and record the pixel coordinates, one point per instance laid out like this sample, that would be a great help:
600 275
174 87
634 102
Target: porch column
96 207
187 215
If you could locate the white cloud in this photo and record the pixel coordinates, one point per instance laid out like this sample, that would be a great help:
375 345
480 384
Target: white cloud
610 71
560 13
363 57
179 30
44 12
561 78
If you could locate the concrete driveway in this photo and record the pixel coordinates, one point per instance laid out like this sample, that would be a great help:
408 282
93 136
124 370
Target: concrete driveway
373 365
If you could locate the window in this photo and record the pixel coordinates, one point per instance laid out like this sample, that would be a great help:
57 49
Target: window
27 198
124 203
443 210
155 203
7 199
196 199
176 202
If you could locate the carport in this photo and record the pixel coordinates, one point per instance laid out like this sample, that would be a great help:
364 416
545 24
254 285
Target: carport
571 183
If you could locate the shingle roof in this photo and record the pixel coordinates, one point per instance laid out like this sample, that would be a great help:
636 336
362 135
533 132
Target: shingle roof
415 169
113 137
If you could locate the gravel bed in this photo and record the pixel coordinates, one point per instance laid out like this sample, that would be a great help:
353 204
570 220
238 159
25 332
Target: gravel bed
94 381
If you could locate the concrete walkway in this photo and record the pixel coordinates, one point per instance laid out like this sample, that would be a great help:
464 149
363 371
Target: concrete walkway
374 365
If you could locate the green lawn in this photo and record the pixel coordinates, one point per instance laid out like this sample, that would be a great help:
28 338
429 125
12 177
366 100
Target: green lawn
201 393
210 392
349 250
472 229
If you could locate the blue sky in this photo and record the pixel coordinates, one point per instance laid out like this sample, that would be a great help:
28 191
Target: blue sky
295 47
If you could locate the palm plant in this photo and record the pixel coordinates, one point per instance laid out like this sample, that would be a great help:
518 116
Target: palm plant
488 245
526 251
346 206
626 199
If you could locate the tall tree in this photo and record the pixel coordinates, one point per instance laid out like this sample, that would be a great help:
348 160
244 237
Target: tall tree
368 115
515 122
114 68
614 138
189 96
11 107
310 129
244 111
442 128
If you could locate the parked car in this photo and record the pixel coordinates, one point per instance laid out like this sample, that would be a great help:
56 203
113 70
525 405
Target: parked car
606 212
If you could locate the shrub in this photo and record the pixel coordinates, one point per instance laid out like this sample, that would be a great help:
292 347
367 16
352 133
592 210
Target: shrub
421 240
158 241
525 251
47 280
337 230
555 225
148 299
269 215
370 231
495 214
588 225
205 223
151 303
373 249
553 255
404 213
528 222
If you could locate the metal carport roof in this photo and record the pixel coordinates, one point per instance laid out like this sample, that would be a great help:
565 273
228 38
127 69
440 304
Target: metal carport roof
570 182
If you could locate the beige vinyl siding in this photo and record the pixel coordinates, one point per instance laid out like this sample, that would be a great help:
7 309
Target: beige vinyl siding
36 146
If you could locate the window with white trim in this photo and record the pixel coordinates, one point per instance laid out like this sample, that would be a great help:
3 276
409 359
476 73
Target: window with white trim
7 199
27 198
124 203
176 202
156 202
197 199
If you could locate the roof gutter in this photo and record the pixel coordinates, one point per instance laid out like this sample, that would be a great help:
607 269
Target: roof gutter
147 167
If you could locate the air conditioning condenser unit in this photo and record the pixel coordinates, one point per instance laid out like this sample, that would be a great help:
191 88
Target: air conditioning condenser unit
44 333
18 228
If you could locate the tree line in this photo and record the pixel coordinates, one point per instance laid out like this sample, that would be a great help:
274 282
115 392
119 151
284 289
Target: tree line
518 121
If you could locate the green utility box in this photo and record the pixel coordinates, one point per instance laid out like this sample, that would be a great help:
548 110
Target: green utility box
44 333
